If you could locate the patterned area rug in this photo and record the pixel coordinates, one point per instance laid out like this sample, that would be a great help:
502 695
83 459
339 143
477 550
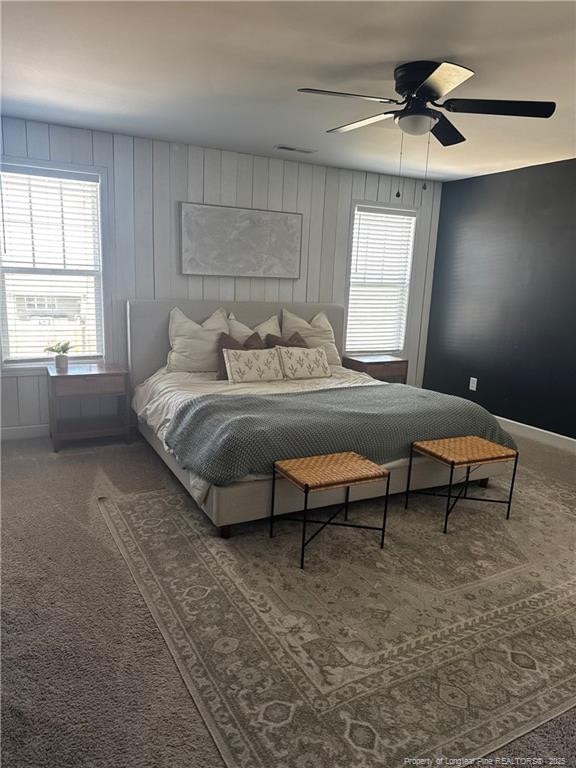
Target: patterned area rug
437 646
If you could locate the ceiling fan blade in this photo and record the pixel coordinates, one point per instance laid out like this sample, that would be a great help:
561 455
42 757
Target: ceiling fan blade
362 123
377 99
442 80
446 133
496 107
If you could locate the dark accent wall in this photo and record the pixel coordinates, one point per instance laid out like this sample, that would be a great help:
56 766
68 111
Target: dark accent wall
504 295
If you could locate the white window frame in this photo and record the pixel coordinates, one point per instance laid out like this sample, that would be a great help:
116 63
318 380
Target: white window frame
84 173
394 210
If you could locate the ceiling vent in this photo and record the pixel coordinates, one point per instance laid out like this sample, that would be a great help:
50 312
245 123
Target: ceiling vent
300 150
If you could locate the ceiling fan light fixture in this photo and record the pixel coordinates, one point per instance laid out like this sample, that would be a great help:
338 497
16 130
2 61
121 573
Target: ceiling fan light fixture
416 124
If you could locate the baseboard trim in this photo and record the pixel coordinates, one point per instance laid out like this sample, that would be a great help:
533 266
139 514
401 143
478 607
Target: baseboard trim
22 432
541 435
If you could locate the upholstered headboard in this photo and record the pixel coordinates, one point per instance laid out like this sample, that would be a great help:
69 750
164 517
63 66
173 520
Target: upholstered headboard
148 343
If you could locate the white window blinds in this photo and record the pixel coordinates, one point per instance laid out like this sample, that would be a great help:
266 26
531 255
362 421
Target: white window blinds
50 270
381 260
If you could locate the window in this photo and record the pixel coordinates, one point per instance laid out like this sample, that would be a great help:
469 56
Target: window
50 269
381 259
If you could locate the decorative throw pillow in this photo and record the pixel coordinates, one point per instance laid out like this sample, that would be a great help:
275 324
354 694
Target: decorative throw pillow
194 346
227 342
241 332
317 333
277 341
304 363
252 365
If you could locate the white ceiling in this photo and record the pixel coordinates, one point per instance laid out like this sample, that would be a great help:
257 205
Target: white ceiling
225 74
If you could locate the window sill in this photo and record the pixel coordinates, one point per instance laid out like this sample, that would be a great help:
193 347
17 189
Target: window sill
9 370
393 353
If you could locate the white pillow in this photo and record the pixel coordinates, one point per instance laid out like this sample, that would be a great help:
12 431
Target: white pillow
317 333
194 346
241 332
252 365
299 363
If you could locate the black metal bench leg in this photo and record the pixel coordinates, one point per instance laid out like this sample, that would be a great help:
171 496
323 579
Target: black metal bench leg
346 503
449 497
512 486
466 482
409 476
272 501
385 512
306 489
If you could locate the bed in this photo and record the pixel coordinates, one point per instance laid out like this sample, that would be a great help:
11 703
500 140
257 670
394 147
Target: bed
158 396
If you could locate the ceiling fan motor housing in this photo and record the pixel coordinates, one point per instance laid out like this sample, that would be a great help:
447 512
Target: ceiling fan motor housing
410 77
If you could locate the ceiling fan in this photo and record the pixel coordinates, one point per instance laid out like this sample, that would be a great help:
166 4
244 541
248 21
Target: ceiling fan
421 83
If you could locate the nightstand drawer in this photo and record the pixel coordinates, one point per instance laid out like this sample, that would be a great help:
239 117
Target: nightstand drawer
387 370
382 367
108 384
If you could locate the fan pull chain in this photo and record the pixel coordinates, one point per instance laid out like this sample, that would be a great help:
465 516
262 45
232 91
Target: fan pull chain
425 186
400 163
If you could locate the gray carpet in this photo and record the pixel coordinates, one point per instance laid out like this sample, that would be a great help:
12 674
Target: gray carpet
87 678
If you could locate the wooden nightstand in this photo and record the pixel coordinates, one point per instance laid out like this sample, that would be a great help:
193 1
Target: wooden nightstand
382 367
88 381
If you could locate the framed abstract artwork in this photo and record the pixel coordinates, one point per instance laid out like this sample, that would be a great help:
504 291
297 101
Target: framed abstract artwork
225 241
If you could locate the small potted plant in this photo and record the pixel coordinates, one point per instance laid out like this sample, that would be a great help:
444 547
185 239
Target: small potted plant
60 349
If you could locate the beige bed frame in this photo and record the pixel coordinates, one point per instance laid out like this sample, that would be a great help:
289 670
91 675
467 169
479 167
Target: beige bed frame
250 500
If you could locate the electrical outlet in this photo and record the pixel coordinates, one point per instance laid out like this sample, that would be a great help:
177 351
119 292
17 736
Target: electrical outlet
473 384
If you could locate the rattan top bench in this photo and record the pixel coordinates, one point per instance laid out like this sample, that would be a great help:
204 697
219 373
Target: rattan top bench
332 470
464 451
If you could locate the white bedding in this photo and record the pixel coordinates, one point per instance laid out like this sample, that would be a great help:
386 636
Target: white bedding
157 399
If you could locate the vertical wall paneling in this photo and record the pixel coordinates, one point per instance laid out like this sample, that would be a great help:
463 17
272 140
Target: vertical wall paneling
329 222
38 140
43 399
359 185
430 197
289 198
14 137
384 189
161 198
371 189
316 225
303 205
103 155
60 143
143 220
259 200
418 278
342 244
228 183
212 192
124 284
81 146
143 183
195 194
408 192
10 411
274 203
244 183
178 193
419 193
28 401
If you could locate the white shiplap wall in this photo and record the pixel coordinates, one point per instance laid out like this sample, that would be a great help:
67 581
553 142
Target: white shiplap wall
144 180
